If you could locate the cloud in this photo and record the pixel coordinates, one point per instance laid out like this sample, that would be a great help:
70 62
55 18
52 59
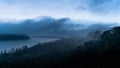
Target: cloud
105 6
87 10
51 26
20 9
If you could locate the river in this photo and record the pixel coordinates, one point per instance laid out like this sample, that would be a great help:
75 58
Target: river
7 45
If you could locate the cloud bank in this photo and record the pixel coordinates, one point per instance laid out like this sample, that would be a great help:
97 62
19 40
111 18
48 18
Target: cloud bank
88 10
51 26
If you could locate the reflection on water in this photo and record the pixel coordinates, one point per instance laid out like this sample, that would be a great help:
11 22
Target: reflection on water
7 45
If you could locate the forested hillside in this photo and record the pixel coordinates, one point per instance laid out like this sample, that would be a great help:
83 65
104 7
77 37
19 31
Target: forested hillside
103 52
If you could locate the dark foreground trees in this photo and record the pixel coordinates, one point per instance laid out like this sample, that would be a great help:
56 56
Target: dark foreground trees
101 53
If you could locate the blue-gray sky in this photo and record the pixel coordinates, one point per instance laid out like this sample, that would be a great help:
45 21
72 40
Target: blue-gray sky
86 10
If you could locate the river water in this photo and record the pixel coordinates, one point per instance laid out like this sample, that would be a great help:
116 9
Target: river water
7 45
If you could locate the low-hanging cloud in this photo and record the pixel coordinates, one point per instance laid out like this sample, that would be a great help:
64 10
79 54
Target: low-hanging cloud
51 26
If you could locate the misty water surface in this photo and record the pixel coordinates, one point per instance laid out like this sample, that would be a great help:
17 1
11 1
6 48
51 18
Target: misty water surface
7 45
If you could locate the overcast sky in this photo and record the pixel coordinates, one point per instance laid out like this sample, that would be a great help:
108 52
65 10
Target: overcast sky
87 10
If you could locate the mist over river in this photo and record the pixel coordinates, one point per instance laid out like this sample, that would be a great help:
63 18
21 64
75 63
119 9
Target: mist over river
7 45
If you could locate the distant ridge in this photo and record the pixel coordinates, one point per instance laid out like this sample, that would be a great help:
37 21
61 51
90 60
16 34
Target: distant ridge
11 37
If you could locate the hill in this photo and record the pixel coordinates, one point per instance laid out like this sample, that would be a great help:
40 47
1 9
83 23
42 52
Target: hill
13 37
68 53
